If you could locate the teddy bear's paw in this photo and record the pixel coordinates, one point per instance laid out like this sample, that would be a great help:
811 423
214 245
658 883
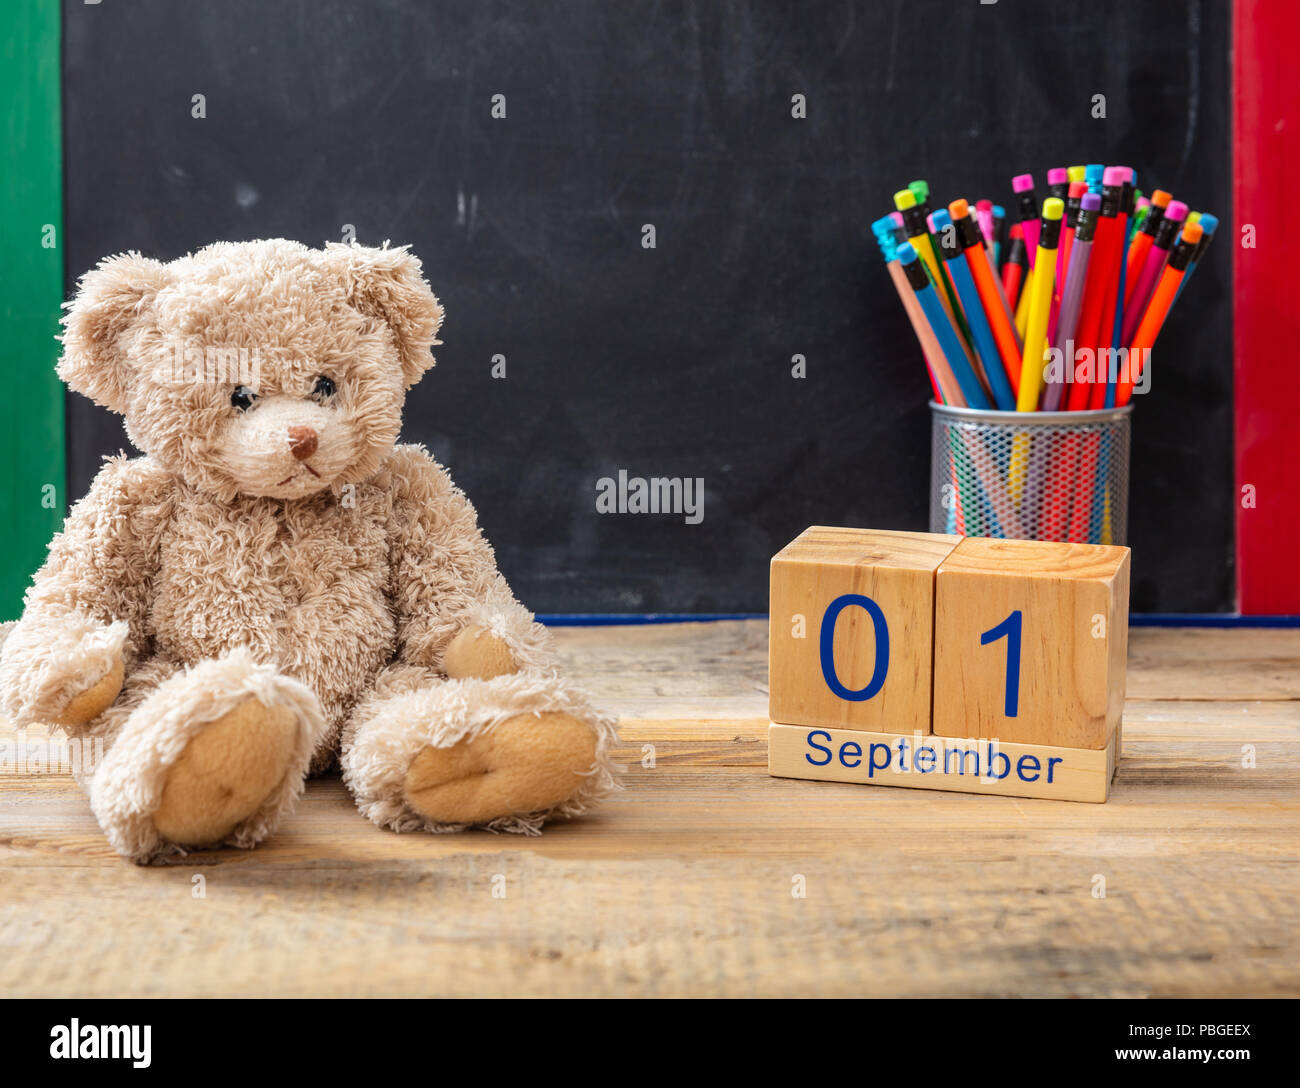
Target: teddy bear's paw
226 773
477 653
97 698
529 763
61 668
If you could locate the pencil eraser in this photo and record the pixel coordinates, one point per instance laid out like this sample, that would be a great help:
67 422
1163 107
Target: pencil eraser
929 222
940 219
1193 217
1022 183
1115 175
1017 231
1177 210
1077 189
920 190
1192 233
883 227
1053 207
1160 198
959 209
1209 223
897 217
1091 201
999 212
1076 173
1058 175
984 206
904 199
906 253
1143 201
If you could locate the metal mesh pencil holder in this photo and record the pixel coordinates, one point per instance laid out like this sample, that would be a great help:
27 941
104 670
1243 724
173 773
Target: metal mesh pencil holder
1031 475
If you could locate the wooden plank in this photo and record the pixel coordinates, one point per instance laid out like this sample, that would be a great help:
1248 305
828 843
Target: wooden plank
682 885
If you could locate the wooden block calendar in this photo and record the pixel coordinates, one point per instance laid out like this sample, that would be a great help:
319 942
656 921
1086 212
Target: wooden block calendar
941 662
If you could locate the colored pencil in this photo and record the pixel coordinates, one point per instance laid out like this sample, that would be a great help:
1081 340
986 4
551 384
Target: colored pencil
1209 224
923 286
1157 255
985 345
1137 254
946 389
1017 264
1023 185
1162 301
990 290
1101 271
1031 363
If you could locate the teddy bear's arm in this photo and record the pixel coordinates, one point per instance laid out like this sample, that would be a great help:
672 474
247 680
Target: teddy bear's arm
84 616
454 609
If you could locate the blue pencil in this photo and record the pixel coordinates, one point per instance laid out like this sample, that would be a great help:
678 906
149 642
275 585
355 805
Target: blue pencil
985 346
1209 224
942 328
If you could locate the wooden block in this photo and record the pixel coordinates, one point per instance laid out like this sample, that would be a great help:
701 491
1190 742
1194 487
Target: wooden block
851 629
1031 641
961 765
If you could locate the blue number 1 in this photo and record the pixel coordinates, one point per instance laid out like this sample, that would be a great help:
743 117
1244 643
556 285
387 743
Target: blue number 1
1011 628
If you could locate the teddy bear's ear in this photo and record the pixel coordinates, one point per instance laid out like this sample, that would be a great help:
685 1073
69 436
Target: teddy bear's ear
388 284
110 298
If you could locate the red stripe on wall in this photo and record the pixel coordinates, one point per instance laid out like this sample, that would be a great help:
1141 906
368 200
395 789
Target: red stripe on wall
1266 173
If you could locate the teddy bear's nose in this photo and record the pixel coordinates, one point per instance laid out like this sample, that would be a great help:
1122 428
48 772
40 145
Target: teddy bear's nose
302 442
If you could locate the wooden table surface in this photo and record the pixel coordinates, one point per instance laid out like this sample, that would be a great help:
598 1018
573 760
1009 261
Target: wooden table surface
683 885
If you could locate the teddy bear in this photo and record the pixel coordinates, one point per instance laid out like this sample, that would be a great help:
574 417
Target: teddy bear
278 587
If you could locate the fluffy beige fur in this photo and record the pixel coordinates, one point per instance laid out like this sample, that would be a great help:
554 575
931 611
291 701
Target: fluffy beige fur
276 585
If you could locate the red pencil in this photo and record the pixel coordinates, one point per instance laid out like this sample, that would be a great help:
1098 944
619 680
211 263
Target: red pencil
1013 271
1118 176
1102 268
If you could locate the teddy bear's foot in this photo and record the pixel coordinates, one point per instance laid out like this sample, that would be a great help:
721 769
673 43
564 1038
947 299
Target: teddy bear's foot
226 773
217 753
509 753
528 763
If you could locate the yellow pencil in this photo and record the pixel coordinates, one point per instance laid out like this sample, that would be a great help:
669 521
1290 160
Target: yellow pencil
1022 305
1031 362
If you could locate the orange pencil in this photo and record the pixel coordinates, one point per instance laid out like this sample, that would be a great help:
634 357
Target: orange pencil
1141 244
989 290
1154 318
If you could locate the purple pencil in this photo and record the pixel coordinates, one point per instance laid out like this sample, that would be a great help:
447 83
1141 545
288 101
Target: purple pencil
1072 299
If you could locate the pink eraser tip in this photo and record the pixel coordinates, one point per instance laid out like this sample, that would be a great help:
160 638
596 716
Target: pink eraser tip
1115 175
897 217
929 222
1022 183
1058 175
1176 211
1143 201
984 205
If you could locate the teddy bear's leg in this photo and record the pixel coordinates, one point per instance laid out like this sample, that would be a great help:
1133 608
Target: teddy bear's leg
508 753
213 754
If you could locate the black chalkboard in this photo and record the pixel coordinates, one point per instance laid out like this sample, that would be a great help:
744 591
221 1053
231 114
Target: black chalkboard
673 361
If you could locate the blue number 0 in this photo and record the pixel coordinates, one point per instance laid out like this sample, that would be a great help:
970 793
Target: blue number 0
828 647
1010 627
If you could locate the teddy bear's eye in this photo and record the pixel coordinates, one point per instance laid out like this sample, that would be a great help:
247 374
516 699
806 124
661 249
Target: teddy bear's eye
242 398
323 389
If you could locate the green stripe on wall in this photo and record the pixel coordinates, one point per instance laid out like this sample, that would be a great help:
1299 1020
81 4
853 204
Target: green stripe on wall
32 479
